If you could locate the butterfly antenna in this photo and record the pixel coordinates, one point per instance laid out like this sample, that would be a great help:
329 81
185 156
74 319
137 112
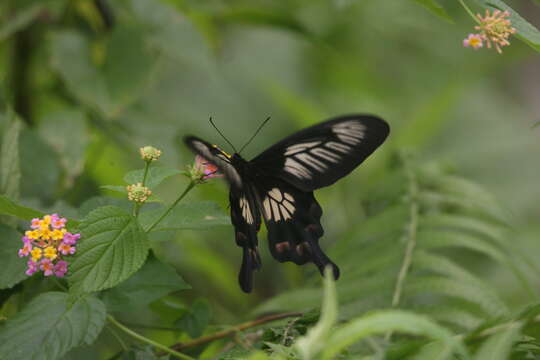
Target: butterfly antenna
220 133
256 132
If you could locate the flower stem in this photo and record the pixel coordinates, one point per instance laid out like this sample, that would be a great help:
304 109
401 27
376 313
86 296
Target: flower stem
462 2
137 206
139 337
188 188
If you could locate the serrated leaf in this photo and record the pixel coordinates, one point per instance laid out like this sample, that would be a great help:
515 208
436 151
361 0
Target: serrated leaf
13 267
153 281
155 176
382 322
10 170
435 8
111 249
49 326
525 30
196 319
9 207
199 215
498 346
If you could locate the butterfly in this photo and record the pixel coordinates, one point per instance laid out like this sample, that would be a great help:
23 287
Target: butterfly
278 186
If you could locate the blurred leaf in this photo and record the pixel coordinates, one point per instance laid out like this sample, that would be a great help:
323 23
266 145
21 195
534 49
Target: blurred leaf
65 131
112 248
498 346
386 321
115 188
264 17
118 83
143 354
10 171
195 320
38 157
199 215
155 176
435 8
13 267
21 19
316 338
9 207
525 30
54 326
153 281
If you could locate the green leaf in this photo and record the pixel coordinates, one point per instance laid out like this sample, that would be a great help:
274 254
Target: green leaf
100 201
65 131
153 281
9 207
115 188
435 8
315 340
387 321
196 319
18 22
49 326
199 215
111 249
13 267
10 170
498 346
525 30
155 176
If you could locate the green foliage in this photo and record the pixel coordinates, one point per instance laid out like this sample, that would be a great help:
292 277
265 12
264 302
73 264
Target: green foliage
50 326
433 267
13 267
115 247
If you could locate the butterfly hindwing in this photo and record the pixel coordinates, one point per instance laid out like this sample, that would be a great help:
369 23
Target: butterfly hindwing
292 218
320 155
246 219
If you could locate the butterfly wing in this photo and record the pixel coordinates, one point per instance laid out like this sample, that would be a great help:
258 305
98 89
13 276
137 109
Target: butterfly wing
292 218
246 219
320 155
245 214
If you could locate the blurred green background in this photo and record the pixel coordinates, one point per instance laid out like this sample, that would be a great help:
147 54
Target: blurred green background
91 93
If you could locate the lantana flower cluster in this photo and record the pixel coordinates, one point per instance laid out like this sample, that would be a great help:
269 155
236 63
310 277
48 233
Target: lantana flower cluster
494 29
46 244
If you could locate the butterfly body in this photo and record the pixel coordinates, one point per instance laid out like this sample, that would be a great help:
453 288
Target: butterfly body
277 186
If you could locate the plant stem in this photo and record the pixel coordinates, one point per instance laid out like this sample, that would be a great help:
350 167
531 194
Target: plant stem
137 206
139 337
188 188
462 2
234 330
411 234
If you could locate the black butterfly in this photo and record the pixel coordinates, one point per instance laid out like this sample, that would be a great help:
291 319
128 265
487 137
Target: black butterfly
278 185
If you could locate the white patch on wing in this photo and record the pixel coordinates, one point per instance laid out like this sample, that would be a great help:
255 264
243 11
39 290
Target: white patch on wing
325 154
350 132
338 147
293 149
278 205
246 210
293 167
311 161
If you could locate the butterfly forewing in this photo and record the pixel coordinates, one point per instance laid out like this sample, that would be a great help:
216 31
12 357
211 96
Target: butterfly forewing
320 155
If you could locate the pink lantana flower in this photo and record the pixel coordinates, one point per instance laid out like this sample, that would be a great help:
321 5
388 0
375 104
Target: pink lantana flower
71 239
58 222
26 250
474 41
47 267
66 249
32 267
60 269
